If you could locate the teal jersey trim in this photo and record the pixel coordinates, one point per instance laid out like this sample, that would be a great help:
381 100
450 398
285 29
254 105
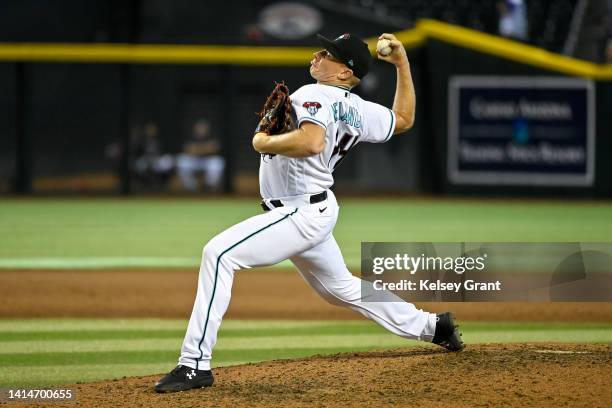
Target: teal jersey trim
391 127
212 297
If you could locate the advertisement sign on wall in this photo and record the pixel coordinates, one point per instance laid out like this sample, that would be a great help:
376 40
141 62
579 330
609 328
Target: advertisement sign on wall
521 131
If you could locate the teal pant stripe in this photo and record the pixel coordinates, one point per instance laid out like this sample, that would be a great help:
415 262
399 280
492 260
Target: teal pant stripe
212 297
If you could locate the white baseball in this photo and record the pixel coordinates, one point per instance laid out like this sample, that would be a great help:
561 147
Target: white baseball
383 47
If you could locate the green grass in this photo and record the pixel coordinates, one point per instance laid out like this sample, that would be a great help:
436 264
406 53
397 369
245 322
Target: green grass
67 233
36 352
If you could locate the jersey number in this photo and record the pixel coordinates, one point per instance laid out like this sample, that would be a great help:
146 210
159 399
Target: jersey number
341 149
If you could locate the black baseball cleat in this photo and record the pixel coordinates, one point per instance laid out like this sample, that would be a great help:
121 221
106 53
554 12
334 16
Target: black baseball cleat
184 378
447 332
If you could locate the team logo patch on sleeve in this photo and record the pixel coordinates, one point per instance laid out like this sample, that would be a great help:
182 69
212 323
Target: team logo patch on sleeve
312 107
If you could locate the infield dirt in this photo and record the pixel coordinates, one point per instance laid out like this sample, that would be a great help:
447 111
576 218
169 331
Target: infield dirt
484 375
256 294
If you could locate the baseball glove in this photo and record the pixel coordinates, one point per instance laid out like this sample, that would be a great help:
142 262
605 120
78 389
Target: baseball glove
276 117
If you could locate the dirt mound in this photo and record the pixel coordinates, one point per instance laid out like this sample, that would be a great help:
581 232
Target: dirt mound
482 375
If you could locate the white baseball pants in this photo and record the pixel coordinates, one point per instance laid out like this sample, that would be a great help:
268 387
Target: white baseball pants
302 232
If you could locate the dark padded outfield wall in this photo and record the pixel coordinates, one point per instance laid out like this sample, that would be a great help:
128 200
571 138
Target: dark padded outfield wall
447 62
126 87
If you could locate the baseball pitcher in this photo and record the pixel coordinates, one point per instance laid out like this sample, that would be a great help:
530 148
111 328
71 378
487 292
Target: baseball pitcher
302 138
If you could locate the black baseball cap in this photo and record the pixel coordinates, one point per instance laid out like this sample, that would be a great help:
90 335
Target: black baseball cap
351 50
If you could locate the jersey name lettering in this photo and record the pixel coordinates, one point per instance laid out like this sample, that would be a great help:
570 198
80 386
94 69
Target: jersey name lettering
348 115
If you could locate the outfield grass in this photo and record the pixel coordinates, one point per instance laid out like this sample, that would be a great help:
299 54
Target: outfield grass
55 351
135 232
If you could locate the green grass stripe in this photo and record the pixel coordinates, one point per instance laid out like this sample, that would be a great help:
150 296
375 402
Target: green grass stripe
139 356
91 328
230 330
175 230
82 335
152 356
323 342
72 324
24 376
109 348
123 262
164 334
246 349
519 332
577 335
78 324
97 262
532 326
69 374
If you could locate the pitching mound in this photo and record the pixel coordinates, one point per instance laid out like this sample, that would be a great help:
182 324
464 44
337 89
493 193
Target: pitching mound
483 375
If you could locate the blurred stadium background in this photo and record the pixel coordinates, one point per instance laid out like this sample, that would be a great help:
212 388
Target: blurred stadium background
101 100
90 105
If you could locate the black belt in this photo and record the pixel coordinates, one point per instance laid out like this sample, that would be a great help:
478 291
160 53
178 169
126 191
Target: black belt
315 198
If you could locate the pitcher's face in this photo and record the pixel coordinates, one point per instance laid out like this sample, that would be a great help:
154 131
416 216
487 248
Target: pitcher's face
325 66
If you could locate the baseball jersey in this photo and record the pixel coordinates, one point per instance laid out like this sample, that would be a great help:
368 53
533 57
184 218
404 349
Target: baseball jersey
347 120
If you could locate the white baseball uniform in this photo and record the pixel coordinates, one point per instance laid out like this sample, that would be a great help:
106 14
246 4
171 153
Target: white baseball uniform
299 230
